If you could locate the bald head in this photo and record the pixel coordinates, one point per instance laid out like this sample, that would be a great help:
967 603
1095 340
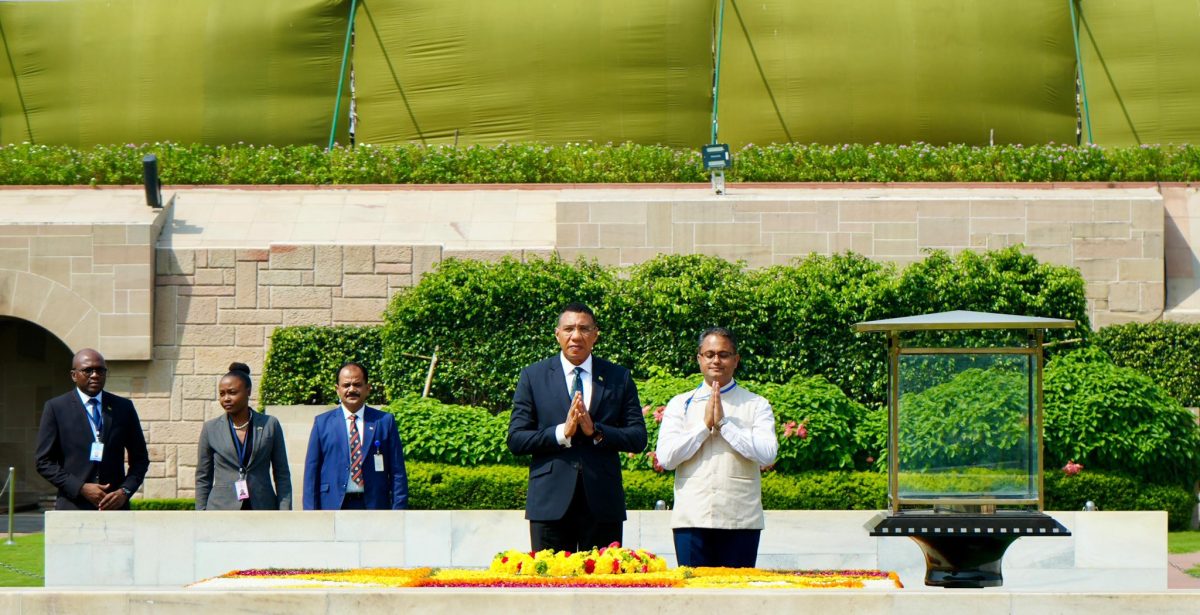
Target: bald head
89 371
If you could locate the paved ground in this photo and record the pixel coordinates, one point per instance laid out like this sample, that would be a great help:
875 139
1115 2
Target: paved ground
1177 564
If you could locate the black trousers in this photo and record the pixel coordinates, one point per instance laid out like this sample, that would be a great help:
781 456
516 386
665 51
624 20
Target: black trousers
578 530
699 546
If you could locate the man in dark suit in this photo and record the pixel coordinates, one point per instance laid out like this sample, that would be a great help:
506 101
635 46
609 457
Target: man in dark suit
355 458
575 414
84 437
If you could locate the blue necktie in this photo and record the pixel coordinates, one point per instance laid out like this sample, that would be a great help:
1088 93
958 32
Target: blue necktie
94 415
577 387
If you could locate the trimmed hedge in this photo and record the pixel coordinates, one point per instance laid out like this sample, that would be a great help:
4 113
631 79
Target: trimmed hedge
433 486
443 487
458 435
302 363
1167 352
492 319
26 164
1115 419
162 504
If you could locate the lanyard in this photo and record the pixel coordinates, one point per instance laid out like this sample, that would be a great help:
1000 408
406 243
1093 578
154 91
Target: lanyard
239 445
728 388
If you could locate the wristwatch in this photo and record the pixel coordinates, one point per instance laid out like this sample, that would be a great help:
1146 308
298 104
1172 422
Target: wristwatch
127 492
597 435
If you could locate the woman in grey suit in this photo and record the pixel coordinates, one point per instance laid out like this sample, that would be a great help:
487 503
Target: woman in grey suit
239 452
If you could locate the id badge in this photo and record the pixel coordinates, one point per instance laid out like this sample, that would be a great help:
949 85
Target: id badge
378 462
242 491
97 452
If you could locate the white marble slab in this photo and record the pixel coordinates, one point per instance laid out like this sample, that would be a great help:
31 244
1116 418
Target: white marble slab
1109 551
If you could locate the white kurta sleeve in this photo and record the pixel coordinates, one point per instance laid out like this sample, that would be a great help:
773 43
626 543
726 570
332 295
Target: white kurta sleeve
677 441
758 443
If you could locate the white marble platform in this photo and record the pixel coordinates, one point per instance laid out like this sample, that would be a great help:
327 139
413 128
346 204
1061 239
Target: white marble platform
1108 552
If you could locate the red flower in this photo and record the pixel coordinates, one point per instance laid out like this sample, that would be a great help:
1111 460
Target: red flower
654 461
519 564
1072 468
616 567
504 560
870 460
802 431
788 428
616 544
589 566
658 414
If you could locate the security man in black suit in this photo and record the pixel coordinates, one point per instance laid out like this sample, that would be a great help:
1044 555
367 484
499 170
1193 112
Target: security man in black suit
84 437
575 414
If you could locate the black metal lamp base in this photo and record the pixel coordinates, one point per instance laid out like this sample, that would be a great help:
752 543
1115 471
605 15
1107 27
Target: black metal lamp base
965 550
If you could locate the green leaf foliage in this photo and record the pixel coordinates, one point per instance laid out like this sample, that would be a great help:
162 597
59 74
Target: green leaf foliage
830 419
980 416
302 364
162 504
1115 419
1115 491
434 486
1167 352
457 435
491 319
487 321
29 164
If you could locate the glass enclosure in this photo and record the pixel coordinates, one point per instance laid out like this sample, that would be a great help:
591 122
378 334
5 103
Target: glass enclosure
966 428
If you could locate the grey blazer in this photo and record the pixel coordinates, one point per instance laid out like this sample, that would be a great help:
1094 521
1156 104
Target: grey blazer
217 466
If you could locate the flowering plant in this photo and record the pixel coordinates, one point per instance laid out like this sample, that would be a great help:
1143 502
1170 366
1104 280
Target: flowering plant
613 559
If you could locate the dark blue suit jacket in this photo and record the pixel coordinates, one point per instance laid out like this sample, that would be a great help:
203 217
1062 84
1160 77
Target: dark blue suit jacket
64 448
540 404
327 464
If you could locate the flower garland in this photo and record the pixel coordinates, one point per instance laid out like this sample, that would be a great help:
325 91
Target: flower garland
613 559
612 566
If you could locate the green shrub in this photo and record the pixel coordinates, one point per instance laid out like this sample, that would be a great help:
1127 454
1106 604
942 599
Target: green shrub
1118 492
487 321
162 504
830 420
302 363
442 487
492 319
1115 419
459 435
26 164
980 416
1167 352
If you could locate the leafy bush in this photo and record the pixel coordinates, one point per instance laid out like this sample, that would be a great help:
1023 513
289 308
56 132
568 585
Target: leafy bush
1115 419
830 421
1118 492
980 416
434 486
1165 351
487 320
492 319
26 164
302 363
459 435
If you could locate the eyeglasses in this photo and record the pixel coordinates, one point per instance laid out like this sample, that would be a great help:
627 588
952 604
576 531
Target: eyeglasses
709 356
92 370
582 329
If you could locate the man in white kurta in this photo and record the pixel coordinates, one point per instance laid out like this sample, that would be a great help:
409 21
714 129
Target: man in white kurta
716 437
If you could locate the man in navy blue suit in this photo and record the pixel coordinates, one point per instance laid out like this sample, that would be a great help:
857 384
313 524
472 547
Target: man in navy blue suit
355 458
575 413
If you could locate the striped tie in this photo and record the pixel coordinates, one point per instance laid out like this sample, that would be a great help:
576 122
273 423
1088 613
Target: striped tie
356 459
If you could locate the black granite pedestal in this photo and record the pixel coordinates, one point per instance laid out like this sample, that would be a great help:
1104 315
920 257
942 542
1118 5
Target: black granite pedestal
966 549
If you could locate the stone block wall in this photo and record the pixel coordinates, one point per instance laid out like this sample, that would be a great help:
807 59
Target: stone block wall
1114 237
89 284
216 306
